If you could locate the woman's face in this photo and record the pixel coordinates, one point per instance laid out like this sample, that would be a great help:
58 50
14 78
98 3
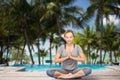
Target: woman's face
69 38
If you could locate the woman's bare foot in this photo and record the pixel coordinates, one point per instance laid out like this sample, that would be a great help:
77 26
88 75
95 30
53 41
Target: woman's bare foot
66 76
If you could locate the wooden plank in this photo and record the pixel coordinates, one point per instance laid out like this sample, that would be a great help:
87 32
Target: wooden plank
96 75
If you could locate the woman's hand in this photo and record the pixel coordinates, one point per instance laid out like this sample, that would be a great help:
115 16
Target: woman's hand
69 55
74 58
65 58
58 59
79 59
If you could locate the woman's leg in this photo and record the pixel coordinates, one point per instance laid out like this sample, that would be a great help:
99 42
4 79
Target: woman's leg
87 71
56 72
81 72
78 73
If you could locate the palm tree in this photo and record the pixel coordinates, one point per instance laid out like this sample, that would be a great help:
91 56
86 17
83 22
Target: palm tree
88 38
61 13
21 17
85 40
94 57
16 55
58 14
56 42
102 8
50 35
111 40
43 53
9 33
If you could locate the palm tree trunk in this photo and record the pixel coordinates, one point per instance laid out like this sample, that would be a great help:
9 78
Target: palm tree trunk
104 56
88 49
42 60
101 31
39 56
100 10
7 56
56 47
17 57
22 53
59 31
95 60
115 56
118 56
51 39
50 55
110 56
1 54
27 40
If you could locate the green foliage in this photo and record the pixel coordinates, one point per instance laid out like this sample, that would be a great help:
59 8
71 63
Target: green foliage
25 21
17 55
43 53
89 40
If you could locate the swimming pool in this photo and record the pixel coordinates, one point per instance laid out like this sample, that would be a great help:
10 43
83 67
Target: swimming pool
38 68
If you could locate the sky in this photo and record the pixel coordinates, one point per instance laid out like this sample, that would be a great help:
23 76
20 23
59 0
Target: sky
84 4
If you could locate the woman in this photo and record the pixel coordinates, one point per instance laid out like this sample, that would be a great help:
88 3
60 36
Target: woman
68 55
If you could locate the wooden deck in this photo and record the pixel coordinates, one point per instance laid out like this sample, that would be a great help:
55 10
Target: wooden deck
108 74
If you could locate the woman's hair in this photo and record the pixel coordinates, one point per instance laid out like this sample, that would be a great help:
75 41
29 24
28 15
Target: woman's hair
69 31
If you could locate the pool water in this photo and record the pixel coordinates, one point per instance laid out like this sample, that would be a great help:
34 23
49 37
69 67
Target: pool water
38 68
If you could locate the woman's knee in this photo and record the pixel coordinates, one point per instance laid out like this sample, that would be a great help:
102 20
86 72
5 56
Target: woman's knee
87 71
50 73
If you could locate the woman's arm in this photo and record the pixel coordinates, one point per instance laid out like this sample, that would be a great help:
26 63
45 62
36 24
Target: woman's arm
79 59
58 59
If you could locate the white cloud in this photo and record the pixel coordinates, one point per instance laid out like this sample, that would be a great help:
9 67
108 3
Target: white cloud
112 18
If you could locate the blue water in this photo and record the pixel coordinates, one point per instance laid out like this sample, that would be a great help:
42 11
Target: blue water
38 68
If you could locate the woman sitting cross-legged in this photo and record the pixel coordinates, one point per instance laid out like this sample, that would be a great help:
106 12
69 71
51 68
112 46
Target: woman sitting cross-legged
69 54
